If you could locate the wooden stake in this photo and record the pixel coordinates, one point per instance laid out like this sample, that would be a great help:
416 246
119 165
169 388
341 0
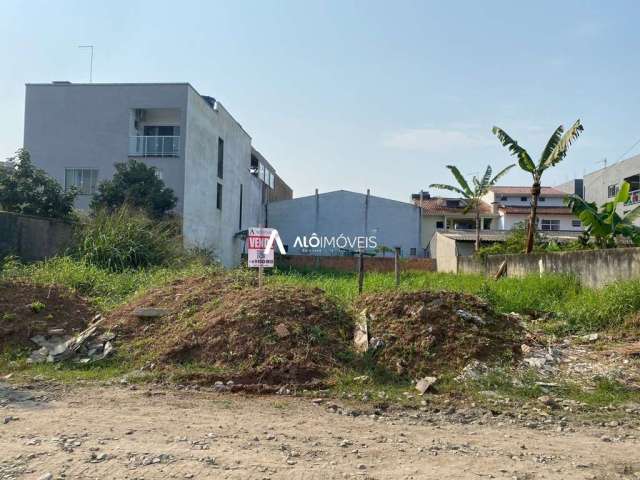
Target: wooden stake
360 272
396 266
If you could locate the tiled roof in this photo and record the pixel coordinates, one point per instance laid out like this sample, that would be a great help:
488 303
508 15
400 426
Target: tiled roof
439 206
539 210
545 191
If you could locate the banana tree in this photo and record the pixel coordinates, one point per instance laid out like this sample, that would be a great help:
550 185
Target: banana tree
553 153
473 195
605 224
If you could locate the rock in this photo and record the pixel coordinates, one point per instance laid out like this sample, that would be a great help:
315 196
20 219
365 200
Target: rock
472 371
425 383
9 418
281 330
471 317
361 466
46 476
345 443
525 348
535 362
151 312
605 438
548 401
592 337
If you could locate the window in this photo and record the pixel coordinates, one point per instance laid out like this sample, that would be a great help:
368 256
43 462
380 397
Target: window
523 199
220 158
576 223
550 224
272 180
541 199
440 224
219 197
612 191
158 173
412 252
84 179
240 219
504 198
161 131
261 172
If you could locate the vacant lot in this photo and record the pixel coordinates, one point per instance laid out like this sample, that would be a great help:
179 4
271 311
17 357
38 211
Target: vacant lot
118 432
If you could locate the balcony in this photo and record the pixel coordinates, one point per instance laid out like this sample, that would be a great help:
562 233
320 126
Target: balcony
634 197
154 146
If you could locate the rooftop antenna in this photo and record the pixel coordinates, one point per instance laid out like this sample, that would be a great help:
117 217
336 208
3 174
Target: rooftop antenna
90 61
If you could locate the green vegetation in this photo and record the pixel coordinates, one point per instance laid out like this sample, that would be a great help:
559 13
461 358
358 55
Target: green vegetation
105 288
37 306
553 153
127 239
473 195
29 190
605 224
137 185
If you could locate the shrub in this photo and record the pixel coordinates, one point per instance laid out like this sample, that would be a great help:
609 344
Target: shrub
29 190
127 239
137 185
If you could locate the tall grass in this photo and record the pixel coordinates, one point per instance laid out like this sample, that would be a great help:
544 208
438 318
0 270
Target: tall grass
105 288
575 308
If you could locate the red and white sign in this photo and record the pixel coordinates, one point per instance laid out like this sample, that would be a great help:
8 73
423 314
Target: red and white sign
259 248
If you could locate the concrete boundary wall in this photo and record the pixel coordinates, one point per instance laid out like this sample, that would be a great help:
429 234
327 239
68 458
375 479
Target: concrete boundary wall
350 264
33 238
594 268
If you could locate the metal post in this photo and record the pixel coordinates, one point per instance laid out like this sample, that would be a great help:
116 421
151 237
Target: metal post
360 272
397 266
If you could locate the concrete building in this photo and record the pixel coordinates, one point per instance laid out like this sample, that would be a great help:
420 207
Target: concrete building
602 185
364 221
513 205
77 132
442 214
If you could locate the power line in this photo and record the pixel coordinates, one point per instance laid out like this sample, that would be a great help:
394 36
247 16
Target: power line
625 153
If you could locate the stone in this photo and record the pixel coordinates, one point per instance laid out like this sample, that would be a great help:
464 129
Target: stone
471 317
362 466
425 384
535 362
46 476
281 330
548 401
592 337
151 312
361 332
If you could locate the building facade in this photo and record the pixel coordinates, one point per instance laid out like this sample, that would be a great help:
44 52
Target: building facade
346 222
602 185
513 205
78 132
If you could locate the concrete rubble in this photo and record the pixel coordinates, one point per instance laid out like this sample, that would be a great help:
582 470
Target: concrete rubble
85 347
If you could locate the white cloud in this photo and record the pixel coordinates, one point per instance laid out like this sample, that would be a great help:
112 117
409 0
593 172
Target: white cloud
437 140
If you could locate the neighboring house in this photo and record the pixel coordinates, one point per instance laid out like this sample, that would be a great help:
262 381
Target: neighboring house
513 205
602 185
443 213
348 215
77 132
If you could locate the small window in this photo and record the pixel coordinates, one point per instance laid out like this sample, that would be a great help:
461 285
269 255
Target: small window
220 158
541 199
546 224
272 180
85 180
523 199
612 191
504 198
412 252
219 197
440 224
158 173
261 170
576 223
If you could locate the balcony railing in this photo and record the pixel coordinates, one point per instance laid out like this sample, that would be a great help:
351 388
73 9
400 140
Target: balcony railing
154 146
634 197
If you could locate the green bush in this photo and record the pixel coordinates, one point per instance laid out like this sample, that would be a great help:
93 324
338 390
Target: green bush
127 239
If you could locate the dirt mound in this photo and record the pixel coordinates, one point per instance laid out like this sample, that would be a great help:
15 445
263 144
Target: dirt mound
226 329
427 332
27 310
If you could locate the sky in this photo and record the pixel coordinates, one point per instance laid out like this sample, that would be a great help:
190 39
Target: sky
357 95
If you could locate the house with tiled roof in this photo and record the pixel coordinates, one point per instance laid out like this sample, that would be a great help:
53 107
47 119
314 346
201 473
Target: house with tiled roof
447 213
513 206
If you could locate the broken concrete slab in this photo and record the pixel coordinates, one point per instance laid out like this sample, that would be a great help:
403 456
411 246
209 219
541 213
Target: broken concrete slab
425 384
151 312
361 332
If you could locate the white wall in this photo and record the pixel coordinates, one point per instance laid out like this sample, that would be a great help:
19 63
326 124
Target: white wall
508 221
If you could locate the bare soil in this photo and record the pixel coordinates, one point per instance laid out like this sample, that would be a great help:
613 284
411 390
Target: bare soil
287 335
21 317
121 433
429 332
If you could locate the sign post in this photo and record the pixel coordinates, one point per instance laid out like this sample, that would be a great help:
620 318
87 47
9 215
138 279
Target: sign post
260 249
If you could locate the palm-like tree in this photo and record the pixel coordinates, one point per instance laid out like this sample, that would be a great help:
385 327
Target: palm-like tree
473 195
553 153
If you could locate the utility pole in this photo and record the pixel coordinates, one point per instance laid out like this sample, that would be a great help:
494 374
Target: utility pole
90 61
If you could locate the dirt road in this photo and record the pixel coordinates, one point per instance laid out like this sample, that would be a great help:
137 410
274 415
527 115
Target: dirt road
119 433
